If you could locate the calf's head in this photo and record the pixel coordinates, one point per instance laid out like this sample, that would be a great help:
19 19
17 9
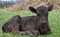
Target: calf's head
42 13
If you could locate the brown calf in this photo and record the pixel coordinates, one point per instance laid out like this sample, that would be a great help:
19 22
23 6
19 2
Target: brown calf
30 25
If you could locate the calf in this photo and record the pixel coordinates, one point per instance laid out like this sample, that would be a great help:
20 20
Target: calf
33 24
12 25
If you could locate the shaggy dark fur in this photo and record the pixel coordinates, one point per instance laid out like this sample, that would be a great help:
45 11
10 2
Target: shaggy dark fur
12 25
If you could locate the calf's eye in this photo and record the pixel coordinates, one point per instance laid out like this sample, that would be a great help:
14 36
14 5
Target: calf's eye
38 14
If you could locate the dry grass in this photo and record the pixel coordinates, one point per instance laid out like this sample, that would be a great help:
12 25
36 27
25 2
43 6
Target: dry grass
34 3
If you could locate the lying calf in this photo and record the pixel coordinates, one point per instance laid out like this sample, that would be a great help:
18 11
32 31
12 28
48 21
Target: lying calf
31 25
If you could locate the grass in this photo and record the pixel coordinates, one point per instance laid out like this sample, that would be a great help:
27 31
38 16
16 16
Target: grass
54 22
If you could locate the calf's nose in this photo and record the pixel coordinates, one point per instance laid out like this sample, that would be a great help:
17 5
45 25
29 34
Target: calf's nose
43 22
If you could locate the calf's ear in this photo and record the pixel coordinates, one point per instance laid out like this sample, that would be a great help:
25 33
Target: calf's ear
50 7
32 9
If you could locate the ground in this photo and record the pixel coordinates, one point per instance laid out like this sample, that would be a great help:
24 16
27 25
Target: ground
54 22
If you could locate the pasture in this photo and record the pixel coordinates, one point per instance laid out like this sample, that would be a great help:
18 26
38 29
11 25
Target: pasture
53 17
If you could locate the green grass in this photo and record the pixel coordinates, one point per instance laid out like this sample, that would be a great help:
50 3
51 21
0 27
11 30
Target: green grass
54 22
